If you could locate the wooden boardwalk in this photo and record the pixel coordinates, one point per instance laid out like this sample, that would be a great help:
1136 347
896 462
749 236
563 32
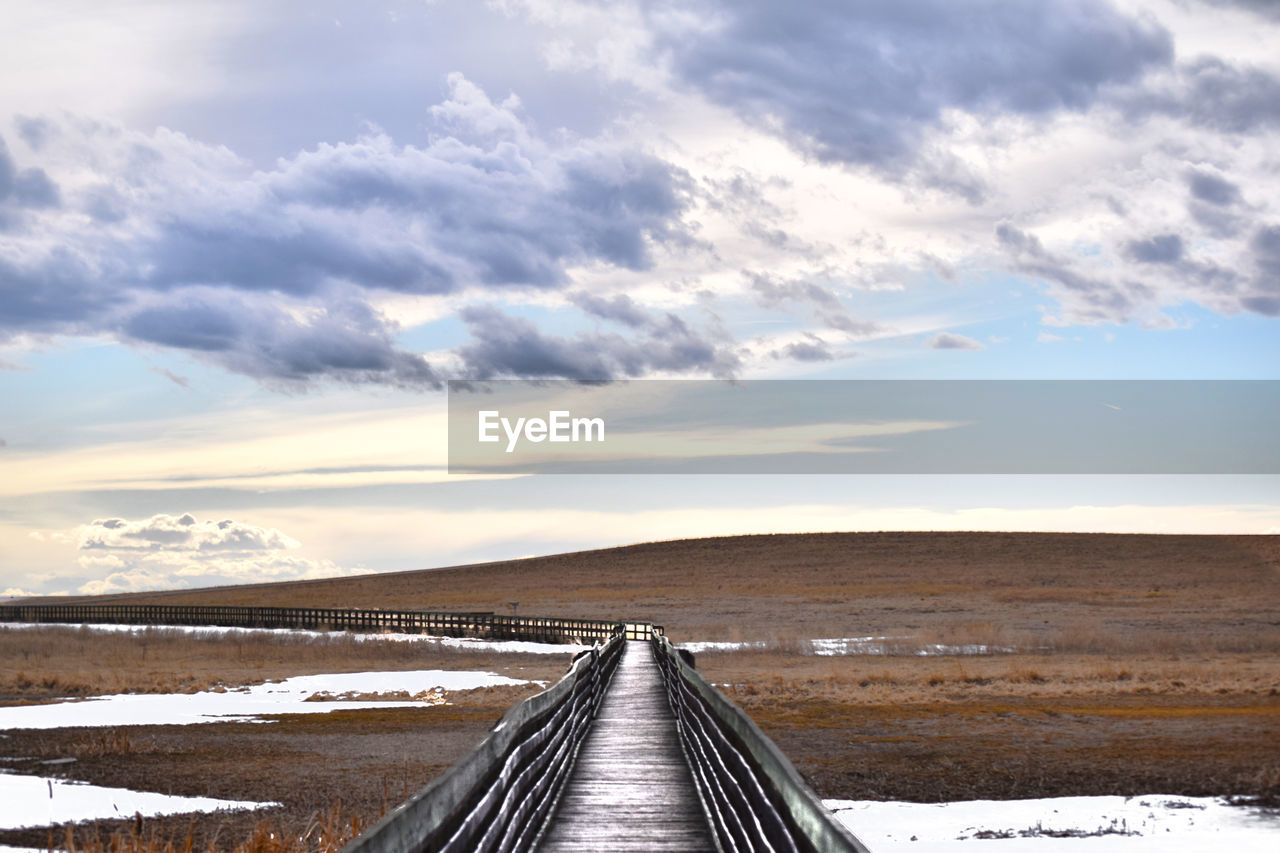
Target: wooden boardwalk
630 788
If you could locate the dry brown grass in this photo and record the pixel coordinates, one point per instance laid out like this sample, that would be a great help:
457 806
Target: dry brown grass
776 677
368 760
843 584
1143 663
1048 723
59 661
326 831
1006 747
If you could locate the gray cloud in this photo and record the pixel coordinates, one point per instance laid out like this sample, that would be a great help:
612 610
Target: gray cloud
34 131
860 83
772 292
1230 99
1214 203
180 381
1265 8
620 308
846 322
1088 299
507 346
60 291
507 214
470 223
344 340
813 349
264 250
1266 247
1161 249
1213 94
23 188
745 199
105 204
675 347
947 340
1212 189
272 273
1209 279
1263 303
1265 295
1220 222
1091 298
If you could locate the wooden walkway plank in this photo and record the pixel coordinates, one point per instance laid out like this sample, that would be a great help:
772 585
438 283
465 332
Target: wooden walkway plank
630 788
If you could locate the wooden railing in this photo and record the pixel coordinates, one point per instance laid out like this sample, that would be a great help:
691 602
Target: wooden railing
754 798
499 795
483 625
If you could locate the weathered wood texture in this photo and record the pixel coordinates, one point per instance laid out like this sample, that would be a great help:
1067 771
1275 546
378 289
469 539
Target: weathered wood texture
496 798
755 799
630 788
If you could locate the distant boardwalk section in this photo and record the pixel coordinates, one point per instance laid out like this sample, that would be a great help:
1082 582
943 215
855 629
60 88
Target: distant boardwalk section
488 626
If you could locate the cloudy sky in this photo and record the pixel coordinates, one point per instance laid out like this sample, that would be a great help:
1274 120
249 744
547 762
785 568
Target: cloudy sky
243 244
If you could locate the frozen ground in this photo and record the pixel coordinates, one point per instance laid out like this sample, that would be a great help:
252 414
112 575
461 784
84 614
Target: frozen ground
470 643
297 695
1147 824
699 647
35 801
836 646
833 646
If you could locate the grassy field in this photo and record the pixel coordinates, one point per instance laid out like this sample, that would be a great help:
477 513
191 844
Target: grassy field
1127 664
1003 726
1127 589
58 661
333 773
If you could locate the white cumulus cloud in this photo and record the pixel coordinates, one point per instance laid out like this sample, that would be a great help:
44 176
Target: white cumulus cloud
172 551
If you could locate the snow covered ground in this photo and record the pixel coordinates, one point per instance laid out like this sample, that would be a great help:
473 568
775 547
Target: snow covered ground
469 643
297 695
698 647
834 646
837 646
1146 824
35 801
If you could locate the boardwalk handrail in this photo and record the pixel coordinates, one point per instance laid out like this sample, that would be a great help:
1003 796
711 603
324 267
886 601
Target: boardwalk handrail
487 625
498 795
754 798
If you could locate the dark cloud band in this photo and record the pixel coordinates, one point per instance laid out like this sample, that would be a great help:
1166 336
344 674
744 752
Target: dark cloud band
861 83
274 274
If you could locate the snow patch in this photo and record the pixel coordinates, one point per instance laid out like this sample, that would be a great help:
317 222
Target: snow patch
839 646
467 643
712 646
835 646
304 694
33 801
1146 824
